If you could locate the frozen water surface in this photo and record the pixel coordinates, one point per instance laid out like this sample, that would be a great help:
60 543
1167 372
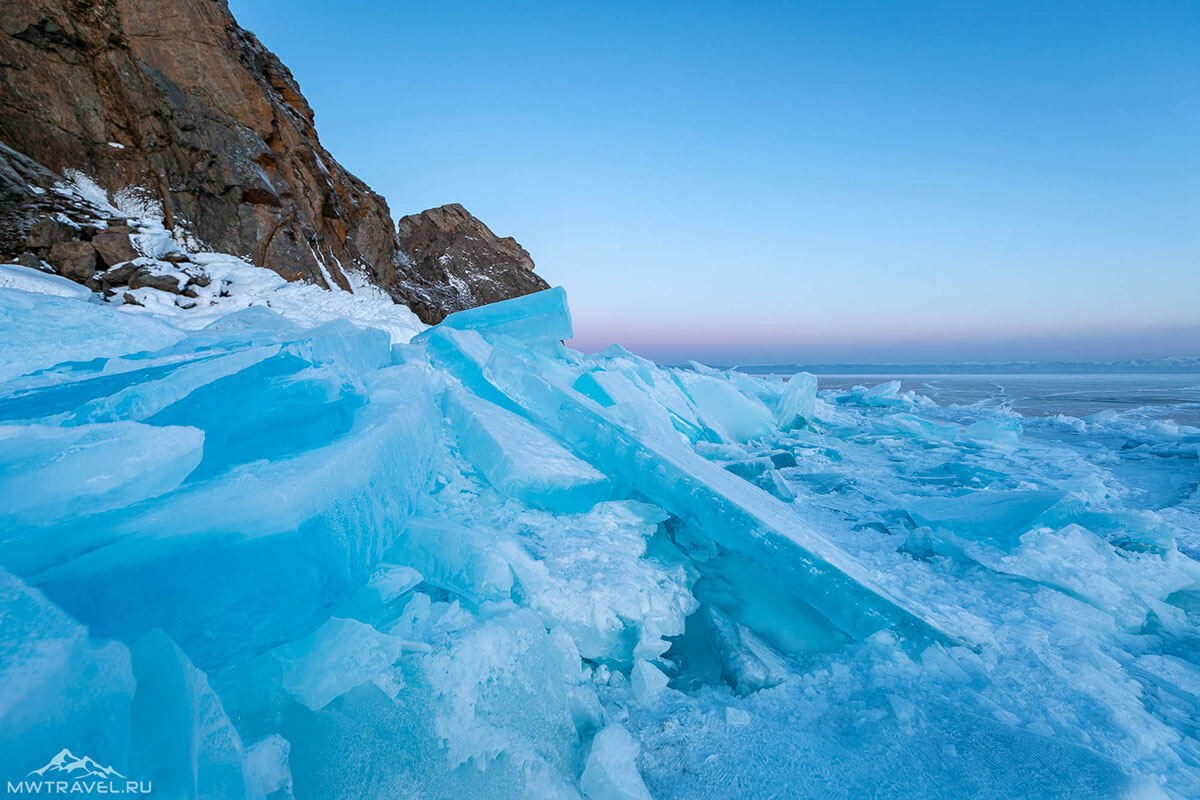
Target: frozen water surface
261 551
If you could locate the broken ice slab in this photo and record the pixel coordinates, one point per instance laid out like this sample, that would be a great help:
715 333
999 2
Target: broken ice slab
184 743
885 395
798 403
488 717
39 331
461 559
51 395
918 427
732 512
1000 516
338 656
625 379
272 409
588 574
519 459
611 770
136 385
48 474
56 684
388 585
1127 586
144 399
538 317
252 402
1176 676
1004 434
736 417
284 541
266 768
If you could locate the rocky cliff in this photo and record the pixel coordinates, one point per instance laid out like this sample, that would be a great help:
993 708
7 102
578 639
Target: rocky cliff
174 97
452 261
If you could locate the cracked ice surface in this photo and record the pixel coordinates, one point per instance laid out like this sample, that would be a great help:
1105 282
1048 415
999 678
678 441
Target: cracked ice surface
256 552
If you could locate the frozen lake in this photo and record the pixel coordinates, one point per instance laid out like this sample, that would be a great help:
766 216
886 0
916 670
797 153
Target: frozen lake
1136 396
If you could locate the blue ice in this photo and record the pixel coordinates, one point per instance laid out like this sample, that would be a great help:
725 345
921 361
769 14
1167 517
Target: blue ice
271 558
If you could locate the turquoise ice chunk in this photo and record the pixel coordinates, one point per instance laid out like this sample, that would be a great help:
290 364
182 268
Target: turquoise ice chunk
38 331
734 513
733 415
521 460
58 687
49 474
255 557
538 317
797 404
997 515
184 743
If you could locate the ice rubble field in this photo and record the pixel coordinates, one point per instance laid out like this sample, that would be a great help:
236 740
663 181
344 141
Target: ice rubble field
254 550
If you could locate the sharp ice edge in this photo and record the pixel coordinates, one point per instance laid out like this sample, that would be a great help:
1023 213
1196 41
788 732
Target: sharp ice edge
267 548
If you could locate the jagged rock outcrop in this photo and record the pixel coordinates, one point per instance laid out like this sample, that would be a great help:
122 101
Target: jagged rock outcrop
452 261
174 97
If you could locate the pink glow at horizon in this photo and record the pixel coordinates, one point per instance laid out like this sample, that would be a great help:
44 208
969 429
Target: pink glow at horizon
679 346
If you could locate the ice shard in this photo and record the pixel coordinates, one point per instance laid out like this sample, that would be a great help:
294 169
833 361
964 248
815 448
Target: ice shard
734 513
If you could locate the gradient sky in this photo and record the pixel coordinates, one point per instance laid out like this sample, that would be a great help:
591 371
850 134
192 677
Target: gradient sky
814 182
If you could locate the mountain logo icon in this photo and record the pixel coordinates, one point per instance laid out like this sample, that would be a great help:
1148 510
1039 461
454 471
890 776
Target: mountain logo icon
68 765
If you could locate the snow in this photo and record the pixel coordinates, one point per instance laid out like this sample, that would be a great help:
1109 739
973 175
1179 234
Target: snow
279 545
14 276
234 283
246 286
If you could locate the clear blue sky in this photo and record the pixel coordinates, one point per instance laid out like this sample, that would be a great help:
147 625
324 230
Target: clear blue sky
766 182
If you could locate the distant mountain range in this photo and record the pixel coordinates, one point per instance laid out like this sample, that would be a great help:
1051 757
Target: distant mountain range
1165 364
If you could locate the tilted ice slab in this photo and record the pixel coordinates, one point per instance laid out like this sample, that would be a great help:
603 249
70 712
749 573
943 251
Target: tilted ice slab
519 459
733 415
53 679
48 474
184 744
798 404
732 512
287 539
587 573
539 317
38 331
144 707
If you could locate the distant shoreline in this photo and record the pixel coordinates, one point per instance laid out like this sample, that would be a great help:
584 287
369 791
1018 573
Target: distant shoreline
1179 366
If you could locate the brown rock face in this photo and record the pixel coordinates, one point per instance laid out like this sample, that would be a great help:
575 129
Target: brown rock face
208 120
74 260
113 247
173 96
455 262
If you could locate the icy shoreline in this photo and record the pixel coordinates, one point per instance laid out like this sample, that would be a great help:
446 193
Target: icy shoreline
276 546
